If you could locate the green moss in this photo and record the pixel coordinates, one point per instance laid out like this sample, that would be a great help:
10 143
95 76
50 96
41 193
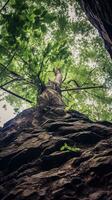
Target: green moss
69 148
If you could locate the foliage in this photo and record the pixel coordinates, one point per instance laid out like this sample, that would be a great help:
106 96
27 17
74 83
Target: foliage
36 37
69 148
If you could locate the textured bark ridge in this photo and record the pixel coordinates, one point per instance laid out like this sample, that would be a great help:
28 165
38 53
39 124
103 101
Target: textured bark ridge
99 13
33 167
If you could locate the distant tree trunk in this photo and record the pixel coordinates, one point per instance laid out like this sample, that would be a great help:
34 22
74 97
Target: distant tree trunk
50 102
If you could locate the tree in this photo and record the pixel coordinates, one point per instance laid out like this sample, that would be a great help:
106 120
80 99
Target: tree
99 13
38 37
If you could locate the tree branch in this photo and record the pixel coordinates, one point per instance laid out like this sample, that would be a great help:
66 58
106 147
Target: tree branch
6 67
16 95
8 51
16 79
65 77
82 88
88 76
10 71
14 74
4 5
11 58
76 83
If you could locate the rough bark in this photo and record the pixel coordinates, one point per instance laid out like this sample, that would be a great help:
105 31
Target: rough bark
99 13
33 167
50 103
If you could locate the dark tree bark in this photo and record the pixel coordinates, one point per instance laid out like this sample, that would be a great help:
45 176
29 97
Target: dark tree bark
99 12
34 165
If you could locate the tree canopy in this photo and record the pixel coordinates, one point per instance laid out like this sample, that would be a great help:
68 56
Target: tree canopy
38 36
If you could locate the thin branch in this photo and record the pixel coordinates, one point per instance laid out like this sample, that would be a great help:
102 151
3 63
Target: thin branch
25 62
88 76
10 71
82 88
65 77
11 58
16 95
14 74
76 83
11 81
4 5
9 62
6 67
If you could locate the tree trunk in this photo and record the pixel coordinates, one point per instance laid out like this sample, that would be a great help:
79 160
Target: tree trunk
99 12
50 102
65 159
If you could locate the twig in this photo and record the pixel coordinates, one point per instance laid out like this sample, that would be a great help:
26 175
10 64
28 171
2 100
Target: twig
65 77
25 62
6 67
4 5
14 74
16 79
89 75
16 95
11 58
82 88
10 71
76 83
